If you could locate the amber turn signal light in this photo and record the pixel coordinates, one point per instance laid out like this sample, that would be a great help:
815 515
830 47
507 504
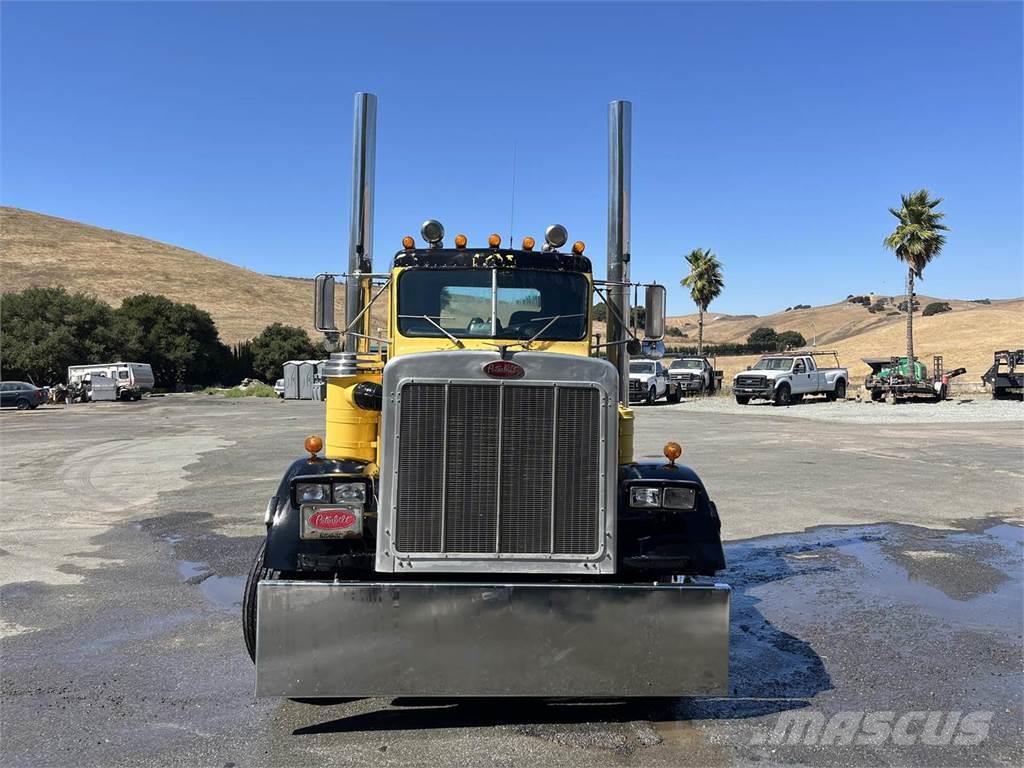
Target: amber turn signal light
460 240
672 450
313 444
408 242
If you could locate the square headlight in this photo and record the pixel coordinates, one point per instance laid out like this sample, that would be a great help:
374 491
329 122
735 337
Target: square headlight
352 493
644 496
676 497
312 492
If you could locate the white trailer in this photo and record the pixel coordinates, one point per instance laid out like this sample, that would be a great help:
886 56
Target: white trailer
131 379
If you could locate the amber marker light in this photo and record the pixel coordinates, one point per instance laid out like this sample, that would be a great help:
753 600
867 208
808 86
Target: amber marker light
528 243
579 247
494 240
408 243
460 240
672 451
313 444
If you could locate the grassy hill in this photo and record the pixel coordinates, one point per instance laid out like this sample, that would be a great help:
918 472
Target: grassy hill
39 250
966 336
42 251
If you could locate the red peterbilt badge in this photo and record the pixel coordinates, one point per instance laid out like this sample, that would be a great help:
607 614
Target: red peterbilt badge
332 520
504 369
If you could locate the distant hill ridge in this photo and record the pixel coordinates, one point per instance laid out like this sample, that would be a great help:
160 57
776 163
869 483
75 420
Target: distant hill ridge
41 250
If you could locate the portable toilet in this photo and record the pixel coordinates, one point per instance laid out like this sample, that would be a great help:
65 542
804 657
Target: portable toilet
291 380
319 383
307 370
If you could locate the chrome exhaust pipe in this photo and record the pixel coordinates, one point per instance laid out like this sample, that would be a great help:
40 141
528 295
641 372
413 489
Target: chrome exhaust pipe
360 242
620 120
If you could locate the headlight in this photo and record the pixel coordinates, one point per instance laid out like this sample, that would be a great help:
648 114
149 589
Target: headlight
353 493
640 496
679 498
312 492
669 497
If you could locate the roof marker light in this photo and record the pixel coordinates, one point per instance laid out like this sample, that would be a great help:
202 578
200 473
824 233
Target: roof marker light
460 240
528 243
579 247
494 240
408 243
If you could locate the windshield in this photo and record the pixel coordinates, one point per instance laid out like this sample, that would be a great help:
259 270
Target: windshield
641 367
687 364
774 364
523 302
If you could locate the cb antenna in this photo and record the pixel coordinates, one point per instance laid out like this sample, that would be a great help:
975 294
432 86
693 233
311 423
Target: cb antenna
512 214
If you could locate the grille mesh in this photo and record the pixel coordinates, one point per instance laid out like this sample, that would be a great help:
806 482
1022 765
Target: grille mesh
490 469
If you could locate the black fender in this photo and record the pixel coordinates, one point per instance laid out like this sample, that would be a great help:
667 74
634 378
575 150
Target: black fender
290 554
666 542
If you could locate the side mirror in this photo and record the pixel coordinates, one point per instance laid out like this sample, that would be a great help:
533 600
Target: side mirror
323 304
654 310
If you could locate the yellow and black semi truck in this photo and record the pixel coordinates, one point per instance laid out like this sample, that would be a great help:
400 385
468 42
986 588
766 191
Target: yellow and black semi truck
473 521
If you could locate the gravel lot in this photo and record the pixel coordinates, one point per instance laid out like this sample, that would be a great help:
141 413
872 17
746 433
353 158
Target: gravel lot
970 409
873 570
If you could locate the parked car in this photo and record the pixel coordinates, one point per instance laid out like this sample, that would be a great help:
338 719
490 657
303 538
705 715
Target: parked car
648 382
692 374
786 378
21 395
279 387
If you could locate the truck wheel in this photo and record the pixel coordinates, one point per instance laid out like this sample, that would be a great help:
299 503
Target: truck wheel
742 399
257 573
840 392
23 404
674 395
652 395
877 396
782 395
943 393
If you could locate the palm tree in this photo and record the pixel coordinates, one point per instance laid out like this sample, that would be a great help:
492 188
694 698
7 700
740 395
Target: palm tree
916 240
705 283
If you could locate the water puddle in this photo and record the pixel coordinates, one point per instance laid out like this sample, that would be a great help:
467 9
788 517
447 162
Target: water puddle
224 592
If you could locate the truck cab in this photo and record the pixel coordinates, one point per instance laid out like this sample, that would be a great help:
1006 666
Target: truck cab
475 492
649 382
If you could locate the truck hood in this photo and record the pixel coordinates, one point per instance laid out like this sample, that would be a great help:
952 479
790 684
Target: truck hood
769 375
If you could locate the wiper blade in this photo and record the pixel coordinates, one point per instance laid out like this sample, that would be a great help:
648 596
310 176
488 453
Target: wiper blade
454 339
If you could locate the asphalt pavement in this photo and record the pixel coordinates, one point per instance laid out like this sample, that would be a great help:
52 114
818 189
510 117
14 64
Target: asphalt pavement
876 568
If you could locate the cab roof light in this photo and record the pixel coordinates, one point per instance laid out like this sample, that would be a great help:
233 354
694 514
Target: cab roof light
555 237
313 444
528 243
460 240
408 243
494 240
432 232
672 451
579 247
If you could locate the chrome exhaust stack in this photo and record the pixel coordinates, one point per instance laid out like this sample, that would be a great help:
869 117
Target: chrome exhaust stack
620 120
360 244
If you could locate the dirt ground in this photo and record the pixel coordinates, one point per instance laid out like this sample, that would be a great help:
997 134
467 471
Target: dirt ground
876 568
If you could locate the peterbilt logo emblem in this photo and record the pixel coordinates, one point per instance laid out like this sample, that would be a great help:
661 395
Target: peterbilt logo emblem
504 369
332 520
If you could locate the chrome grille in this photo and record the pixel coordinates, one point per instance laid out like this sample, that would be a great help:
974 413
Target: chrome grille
750 381
521 469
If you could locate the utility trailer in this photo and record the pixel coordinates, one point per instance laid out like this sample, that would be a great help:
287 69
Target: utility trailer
1006 376
891 379
474 522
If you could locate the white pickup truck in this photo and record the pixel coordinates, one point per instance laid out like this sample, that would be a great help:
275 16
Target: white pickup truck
648 382
786 378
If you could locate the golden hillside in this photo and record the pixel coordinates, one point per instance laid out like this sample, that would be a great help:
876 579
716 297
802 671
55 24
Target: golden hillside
967 336
44 251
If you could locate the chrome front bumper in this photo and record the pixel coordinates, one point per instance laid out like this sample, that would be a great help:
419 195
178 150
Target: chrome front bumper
324 639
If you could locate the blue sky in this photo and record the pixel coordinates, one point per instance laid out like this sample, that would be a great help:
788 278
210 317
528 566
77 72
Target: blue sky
775 134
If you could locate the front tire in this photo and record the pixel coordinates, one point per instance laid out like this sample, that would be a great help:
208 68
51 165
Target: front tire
742 399
257 573
674 395
783 396
652 395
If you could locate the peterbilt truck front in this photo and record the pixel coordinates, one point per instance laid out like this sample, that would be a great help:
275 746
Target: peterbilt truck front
474 522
